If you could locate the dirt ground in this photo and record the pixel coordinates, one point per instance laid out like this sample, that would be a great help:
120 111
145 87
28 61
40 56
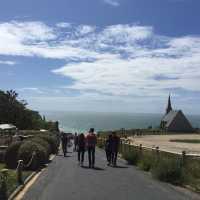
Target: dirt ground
163 141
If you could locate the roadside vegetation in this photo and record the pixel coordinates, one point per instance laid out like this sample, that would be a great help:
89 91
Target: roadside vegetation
11 180
33 147
171 168
35 153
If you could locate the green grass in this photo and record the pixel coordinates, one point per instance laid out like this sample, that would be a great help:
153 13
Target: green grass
193 141
12 179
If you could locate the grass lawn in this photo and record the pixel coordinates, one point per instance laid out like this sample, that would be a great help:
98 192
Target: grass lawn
193 141
12 178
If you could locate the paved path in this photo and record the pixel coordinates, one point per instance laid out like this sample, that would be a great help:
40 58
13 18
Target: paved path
65 180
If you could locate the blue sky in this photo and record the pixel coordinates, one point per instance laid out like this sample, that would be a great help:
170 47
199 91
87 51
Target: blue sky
102 55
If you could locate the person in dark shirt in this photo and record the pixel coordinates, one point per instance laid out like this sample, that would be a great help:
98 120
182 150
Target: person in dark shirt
115 148
81 148
108 149
64 141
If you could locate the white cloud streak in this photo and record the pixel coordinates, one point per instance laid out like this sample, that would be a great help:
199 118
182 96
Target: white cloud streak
7 62
112 3
116 61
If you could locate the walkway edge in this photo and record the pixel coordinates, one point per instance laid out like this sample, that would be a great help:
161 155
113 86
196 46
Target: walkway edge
27 180
21 187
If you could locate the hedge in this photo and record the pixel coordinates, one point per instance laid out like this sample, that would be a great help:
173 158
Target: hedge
52 140
26 153
43 143
11 155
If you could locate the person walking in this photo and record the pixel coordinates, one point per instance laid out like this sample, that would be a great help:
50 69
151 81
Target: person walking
115 148
91 144
81 148
64 141
75 141
108 149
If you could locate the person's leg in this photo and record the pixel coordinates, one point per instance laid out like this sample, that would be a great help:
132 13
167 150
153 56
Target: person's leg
115 158
93 156
75 147
112 157
82 156
64 149
89 156
107 155
79 156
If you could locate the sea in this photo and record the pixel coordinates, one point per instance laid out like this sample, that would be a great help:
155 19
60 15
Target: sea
73 121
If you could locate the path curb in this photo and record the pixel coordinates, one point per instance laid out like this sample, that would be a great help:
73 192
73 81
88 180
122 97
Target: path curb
27 180
21 187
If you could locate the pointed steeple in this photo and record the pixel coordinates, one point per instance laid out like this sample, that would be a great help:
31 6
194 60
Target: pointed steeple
169 106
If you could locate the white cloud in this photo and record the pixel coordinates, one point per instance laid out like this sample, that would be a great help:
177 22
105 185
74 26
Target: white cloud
31 89
85 29
112 2
114 62
64 25
7 62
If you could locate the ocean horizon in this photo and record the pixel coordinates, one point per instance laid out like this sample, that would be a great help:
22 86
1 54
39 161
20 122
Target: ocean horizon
81 121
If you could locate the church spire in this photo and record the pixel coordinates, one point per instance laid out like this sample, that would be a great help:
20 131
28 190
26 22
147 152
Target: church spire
169 106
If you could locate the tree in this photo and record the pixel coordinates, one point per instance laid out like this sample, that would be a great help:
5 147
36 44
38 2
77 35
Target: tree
15 112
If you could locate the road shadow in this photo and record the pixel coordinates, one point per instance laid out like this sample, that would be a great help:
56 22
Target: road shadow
95 168
60 155
120 167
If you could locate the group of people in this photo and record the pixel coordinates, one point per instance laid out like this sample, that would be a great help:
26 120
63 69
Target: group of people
82 142
88 142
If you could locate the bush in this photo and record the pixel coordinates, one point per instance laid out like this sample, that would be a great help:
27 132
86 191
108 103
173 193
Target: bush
52 140
132 157
26 151
11 155
169 170
146 163
43 143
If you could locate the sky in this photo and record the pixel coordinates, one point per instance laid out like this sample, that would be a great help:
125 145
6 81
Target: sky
102 55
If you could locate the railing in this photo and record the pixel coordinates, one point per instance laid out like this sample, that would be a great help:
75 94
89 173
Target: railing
126 146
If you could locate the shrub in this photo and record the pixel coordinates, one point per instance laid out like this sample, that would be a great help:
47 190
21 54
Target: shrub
132 157
43 143
26 151
169 170
146 163
11 155
52 140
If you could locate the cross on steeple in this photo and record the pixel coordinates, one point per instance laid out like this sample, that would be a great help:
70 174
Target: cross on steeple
169 106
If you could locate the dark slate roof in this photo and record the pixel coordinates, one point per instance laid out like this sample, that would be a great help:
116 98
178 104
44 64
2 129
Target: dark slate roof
168 118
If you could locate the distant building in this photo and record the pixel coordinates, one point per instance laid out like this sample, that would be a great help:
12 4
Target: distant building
175 120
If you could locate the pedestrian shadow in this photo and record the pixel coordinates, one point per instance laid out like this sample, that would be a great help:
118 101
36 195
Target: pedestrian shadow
120 167
95 168
60 155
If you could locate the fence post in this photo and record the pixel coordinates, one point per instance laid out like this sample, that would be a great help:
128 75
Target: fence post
129 145
157 152
140 147
19 172
140 151
121 146
3 184
183 157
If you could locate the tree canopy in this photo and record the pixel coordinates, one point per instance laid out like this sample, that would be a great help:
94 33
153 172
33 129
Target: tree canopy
15 111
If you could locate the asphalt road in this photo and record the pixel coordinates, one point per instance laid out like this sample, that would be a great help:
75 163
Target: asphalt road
65 180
